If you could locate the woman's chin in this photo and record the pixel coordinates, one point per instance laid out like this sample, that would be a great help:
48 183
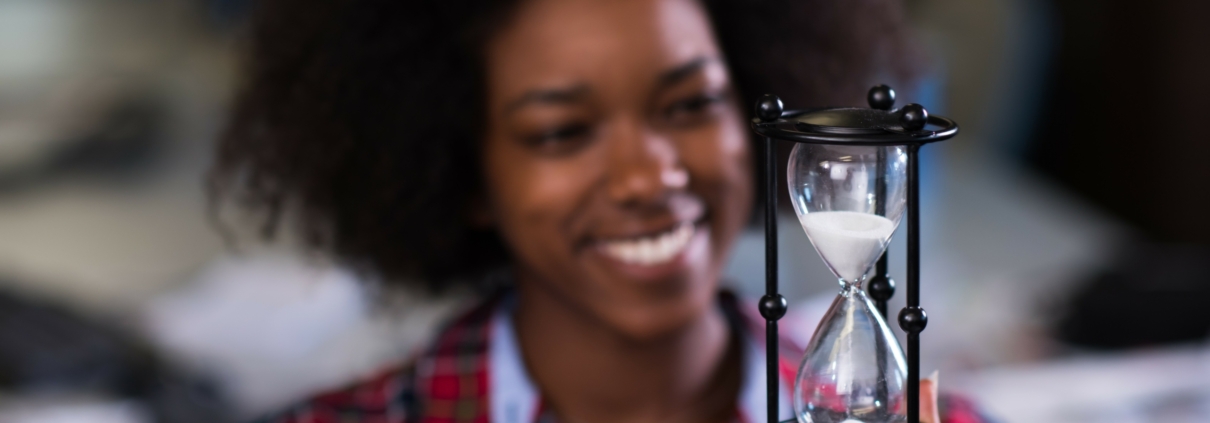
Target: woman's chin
663 312
644 326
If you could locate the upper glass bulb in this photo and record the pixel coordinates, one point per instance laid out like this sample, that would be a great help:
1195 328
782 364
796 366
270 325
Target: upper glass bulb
835 191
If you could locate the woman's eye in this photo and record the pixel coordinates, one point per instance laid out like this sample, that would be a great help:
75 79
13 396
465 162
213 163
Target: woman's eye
561 136
692 109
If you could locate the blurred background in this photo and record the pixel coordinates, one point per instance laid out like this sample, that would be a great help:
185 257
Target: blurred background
1066 264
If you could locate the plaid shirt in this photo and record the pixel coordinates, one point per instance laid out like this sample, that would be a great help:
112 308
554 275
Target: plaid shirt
449 382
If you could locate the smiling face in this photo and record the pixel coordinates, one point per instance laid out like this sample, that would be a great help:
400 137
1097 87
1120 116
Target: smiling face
616 160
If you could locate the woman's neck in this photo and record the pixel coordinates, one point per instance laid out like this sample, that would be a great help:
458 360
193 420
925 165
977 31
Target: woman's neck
588 372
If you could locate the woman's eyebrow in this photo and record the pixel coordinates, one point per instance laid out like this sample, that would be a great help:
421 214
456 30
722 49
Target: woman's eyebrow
549 96
679 73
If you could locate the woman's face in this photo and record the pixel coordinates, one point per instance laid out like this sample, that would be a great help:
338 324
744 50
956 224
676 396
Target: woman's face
616 159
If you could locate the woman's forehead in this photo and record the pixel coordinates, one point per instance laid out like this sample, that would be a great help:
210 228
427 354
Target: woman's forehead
604 44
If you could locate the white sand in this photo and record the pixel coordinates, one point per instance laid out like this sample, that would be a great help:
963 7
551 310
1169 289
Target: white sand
849 242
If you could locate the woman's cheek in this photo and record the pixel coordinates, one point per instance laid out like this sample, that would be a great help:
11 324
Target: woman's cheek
536 198
735 151
718 157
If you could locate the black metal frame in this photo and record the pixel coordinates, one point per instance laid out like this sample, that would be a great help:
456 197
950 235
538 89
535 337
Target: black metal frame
910 130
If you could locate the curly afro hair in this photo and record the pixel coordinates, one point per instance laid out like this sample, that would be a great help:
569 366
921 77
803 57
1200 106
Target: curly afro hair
358 118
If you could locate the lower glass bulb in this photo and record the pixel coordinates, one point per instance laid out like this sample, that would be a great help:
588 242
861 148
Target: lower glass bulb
853 370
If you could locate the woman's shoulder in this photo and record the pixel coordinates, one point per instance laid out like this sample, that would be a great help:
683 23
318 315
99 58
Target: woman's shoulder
447 378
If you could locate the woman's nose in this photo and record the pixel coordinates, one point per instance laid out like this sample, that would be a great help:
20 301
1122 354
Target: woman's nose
643 166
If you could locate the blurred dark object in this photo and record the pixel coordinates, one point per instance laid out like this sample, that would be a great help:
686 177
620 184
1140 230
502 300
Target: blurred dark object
1123 121
122 146
1154 295
45 350
128 143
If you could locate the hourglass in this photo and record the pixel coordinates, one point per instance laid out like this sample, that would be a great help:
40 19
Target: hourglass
853 369
851 176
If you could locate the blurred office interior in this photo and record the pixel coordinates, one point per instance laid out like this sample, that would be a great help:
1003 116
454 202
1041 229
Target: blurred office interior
1066 260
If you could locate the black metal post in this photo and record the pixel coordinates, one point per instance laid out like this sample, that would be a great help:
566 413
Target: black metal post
912 318
772 305
881 286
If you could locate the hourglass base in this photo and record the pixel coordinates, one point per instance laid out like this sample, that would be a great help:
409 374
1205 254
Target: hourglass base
830 416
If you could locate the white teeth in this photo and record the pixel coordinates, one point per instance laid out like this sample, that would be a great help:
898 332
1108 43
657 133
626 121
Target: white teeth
651 250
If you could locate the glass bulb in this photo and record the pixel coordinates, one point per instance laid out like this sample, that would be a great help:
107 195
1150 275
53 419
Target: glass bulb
853 370
849 200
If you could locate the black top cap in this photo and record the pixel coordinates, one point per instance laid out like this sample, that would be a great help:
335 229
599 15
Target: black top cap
878 125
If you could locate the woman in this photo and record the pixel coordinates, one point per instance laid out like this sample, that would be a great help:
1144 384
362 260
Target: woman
595 151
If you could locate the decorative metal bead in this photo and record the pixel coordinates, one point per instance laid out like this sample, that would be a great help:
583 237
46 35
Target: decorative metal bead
773 307
768 108
881 97
913 319
913 117
882 288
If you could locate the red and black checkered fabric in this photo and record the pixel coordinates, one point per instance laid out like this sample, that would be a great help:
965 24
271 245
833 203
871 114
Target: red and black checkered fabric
448 383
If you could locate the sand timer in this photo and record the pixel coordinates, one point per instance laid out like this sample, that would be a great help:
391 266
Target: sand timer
853 369
852 175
